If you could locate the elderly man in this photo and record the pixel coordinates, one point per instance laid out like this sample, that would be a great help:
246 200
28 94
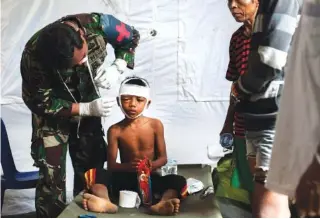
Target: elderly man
258 90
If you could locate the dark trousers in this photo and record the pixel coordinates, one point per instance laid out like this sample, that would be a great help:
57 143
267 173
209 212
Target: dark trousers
86 152
116 181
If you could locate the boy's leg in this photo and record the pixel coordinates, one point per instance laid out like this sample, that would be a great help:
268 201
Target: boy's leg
173 188
49 154
265 203
96 198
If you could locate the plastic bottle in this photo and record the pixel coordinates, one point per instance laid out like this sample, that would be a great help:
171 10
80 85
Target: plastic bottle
226 140
170 168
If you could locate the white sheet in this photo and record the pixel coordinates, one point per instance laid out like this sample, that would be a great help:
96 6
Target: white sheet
205 29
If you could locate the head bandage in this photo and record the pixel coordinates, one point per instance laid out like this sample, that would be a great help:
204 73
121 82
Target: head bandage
134 90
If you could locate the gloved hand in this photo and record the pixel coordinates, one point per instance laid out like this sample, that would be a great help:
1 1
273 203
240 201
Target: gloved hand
99 108
107 76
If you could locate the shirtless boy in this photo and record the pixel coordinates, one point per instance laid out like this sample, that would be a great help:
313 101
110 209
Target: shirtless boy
136 137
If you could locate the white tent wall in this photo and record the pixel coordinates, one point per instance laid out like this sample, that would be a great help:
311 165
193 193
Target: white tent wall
185 64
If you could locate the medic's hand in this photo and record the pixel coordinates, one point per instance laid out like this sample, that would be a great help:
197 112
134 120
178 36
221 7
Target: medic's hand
107 76
99 108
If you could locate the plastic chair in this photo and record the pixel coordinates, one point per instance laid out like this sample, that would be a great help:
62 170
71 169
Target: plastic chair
12 178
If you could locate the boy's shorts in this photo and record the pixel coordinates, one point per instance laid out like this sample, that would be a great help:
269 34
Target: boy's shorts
117 181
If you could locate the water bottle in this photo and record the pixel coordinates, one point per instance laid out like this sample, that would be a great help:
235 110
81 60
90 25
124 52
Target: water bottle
170 168
226 140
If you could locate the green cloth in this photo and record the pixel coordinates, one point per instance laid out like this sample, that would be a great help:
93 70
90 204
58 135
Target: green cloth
222 178
241 177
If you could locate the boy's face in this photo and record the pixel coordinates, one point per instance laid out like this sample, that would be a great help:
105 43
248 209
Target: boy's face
242 10
133 105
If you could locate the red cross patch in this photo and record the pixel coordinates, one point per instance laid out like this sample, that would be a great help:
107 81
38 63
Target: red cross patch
123 32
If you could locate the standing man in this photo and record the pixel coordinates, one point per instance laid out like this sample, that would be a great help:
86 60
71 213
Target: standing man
259 89
239 49
62 67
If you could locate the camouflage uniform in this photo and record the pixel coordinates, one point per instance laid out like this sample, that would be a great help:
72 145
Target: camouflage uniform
46 95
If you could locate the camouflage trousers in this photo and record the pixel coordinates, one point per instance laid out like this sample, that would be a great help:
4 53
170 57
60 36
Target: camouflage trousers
49 154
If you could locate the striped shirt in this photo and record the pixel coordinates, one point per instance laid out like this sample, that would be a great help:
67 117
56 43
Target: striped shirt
274 27
239 50
273 30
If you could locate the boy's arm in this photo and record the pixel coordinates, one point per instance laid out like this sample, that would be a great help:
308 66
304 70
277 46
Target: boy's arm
112 153
160 146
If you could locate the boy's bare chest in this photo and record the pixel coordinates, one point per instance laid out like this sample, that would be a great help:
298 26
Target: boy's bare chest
139 138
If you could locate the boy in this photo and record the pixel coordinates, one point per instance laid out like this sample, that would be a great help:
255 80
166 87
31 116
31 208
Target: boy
136 137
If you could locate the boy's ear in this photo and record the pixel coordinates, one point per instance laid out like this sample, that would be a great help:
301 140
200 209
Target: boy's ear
118 101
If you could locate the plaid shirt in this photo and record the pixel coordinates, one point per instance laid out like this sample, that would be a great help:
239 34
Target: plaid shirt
239 50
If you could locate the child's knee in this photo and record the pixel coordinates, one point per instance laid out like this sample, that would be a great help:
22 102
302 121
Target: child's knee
182 180
182 187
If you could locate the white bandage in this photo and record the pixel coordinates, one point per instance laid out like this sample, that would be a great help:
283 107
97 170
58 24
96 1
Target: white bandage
134 90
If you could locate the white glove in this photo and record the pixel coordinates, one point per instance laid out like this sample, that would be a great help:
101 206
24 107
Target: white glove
99 108
108 76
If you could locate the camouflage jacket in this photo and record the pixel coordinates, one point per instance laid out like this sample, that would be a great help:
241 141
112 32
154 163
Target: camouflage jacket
44 91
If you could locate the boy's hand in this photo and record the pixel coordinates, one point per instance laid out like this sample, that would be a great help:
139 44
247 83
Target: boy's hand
135 164
149 164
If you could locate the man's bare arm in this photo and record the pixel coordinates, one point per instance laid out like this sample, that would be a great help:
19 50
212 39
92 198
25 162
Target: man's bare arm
228 123
160 146
112 153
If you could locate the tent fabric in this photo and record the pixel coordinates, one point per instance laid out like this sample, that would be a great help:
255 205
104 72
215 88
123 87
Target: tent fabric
185 64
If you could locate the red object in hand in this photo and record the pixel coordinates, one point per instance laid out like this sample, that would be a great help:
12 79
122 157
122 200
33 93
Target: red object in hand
144 181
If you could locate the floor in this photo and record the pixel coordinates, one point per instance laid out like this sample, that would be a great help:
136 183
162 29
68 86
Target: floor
193 206
25 215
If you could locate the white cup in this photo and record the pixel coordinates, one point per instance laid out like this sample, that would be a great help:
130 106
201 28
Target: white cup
128 199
